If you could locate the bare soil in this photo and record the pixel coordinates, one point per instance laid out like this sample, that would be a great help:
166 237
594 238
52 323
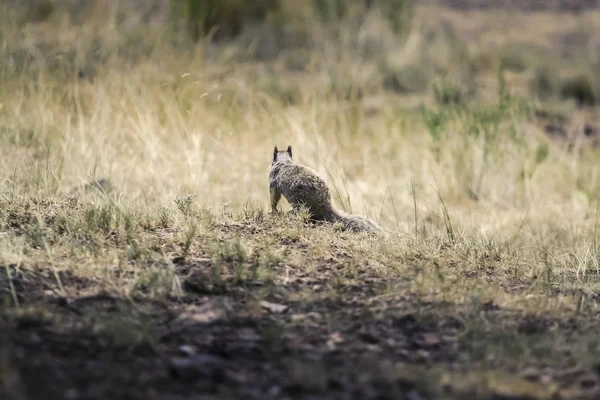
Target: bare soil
226 338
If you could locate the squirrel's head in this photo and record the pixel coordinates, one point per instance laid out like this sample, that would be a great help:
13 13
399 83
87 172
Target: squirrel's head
282 155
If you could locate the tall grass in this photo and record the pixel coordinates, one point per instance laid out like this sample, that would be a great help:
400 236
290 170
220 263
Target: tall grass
171 124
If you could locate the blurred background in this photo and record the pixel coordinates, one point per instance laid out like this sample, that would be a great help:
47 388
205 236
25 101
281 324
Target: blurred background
491 103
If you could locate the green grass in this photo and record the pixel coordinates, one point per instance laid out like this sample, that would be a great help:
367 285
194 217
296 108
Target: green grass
138 258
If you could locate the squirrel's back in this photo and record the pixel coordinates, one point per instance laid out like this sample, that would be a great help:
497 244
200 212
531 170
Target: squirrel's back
301 185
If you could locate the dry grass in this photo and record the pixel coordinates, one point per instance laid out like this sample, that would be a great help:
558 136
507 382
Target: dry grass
494 256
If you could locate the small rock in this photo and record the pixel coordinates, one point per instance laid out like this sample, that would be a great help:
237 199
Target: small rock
216 309
235 377
334 339
298 317
273 307
530 373
187 350
431 339
314 315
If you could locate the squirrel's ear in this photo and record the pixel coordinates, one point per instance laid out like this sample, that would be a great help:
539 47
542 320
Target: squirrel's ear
289 150
275 153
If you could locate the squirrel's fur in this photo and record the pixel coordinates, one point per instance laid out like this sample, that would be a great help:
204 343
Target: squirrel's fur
302 186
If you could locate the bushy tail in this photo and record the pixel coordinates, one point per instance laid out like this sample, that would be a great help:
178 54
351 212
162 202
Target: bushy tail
358 223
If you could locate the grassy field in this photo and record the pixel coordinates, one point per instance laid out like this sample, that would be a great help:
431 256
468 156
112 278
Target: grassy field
138 258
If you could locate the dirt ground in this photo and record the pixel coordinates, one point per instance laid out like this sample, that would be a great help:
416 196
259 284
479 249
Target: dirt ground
304 335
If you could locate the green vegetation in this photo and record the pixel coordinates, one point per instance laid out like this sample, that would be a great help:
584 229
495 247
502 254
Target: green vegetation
138 257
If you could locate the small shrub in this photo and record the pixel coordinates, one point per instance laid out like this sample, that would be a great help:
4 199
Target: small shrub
448 93
553 112
409 79
185 204
483 61
226 16
398 12
344 86
329 10
435 122
582 88
38 11
544 82
286 94
514 60
519 57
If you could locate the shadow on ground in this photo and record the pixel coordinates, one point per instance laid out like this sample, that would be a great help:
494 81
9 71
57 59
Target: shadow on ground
252 340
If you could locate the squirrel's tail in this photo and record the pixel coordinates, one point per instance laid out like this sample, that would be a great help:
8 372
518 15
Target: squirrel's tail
358 223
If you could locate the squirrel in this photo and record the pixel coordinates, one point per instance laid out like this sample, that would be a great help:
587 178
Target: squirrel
302 186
